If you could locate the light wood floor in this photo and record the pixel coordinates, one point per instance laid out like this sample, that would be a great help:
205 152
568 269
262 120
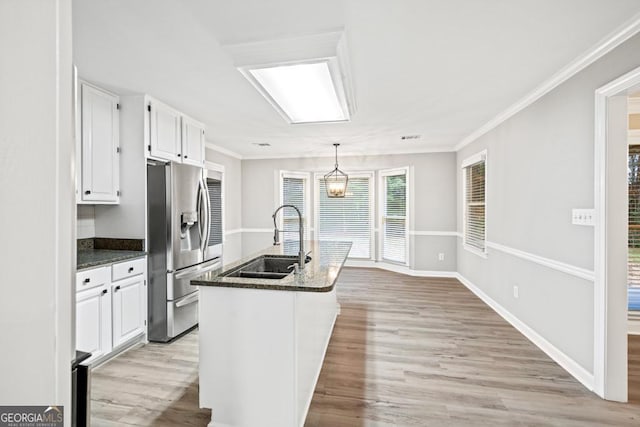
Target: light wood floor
405 352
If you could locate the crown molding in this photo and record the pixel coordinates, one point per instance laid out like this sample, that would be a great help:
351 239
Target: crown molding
606 45
440 149
223 150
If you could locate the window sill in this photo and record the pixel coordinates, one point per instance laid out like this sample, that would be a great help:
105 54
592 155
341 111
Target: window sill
475 251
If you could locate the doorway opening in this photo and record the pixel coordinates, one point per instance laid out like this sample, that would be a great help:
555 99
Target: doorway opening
617 241
633 274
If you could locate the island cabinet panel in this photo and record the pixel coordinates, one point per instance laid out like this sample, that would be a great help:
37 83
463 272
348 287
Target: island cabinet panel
261 352
315 316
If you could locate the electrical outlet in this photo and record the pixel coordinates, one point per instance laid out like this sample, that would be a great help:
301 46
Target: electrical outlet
516 293
441 256
583 216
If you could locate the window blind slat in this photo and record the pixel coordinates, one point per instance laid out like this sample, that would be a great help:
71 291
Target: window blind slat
348 218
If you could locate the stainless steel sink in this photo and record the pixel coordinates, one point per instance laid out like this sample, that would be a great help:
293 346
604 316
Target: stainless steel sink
258 275
265 267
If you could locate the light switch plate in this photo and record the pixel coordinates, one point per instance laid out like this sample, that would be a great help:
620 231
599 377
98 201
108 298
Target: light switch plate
583 217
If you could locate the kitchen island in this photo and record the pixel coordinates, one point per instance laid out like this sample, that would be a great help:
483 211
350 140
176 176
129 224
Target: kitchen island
263 341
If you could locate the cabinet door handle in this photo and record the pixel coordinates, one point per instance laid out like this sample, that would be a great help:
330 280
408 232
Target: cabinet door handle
104 291
185 156
179 155
87 192
87 280
117 288
130 269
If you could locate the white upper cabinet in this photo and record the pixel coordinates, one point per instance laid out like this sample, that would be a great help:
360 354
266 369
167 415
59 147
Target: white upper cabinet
174 136
192 142
99 169
165 132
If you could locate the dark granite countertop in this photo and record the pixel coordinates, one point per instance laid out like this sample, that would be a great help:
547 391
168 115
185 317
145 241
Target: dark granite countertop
319 274
90 258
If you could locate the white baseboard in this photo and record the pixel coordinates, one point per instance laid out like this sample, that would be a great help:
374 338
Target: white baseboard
402 269
569 365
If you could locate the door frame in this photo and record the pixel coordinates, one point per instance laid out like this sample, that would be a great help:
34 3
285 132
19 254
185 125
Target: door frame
610 344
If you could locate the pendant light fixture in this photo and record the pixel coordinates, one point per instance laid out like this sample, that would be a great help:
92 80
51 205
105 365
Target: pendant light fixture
335 182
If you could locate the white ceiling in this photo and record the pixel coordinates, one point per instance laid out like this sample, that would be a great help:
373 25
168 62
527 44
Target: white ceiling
437 68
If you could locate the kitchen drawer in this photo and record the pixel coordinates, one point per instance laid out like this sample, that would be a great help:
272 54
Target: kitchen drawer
122 270
88 279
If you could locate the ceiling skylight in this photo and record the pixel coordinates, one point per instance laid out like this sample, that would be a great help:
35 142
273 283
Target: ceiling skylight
307 79
304 93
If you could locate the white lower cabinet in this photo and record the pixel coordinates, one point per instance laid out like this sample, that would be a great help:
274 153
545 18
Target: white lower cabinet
93 321
112 312
128 299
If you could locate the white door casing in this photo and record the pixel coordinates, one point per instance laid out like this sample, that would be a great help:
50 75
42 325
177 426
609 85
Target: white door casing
610 257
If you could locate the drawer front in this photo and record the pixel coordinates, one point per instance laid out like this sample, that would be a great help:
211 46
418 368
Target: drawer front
182 314
88 279
122 270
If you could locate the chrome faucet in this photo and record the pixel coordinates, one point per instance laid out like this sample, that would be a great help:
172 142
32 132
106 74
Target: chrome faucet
276 234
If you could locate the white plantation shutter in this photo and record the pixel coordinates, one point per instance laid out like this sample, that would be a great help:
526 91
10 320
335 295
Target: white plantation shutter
394 217
348 218
293 193
474 221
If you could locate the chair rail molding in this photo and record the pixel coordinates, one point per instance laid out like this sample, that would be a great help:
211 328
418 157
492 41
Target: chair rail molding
580 272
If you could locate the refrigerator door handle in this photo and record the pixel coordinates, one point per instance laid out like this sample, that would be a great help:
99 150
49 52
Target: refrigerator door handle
199 209
205 217
199 269
188 300
207 214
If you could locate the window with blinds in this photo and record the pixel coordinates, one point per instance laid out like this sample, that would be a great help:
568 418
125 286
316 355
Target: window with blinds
394 216
293 193
215 215
474 204
348 218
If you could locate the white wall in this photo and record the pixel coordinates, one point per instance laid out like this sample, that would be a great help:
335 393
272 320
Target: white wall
38 234
86 225
128 219
433 192
232 203
540 165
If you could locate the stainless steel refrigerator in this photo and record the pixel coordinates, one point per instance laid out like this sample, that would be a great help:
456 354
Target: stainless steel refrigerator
184 241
